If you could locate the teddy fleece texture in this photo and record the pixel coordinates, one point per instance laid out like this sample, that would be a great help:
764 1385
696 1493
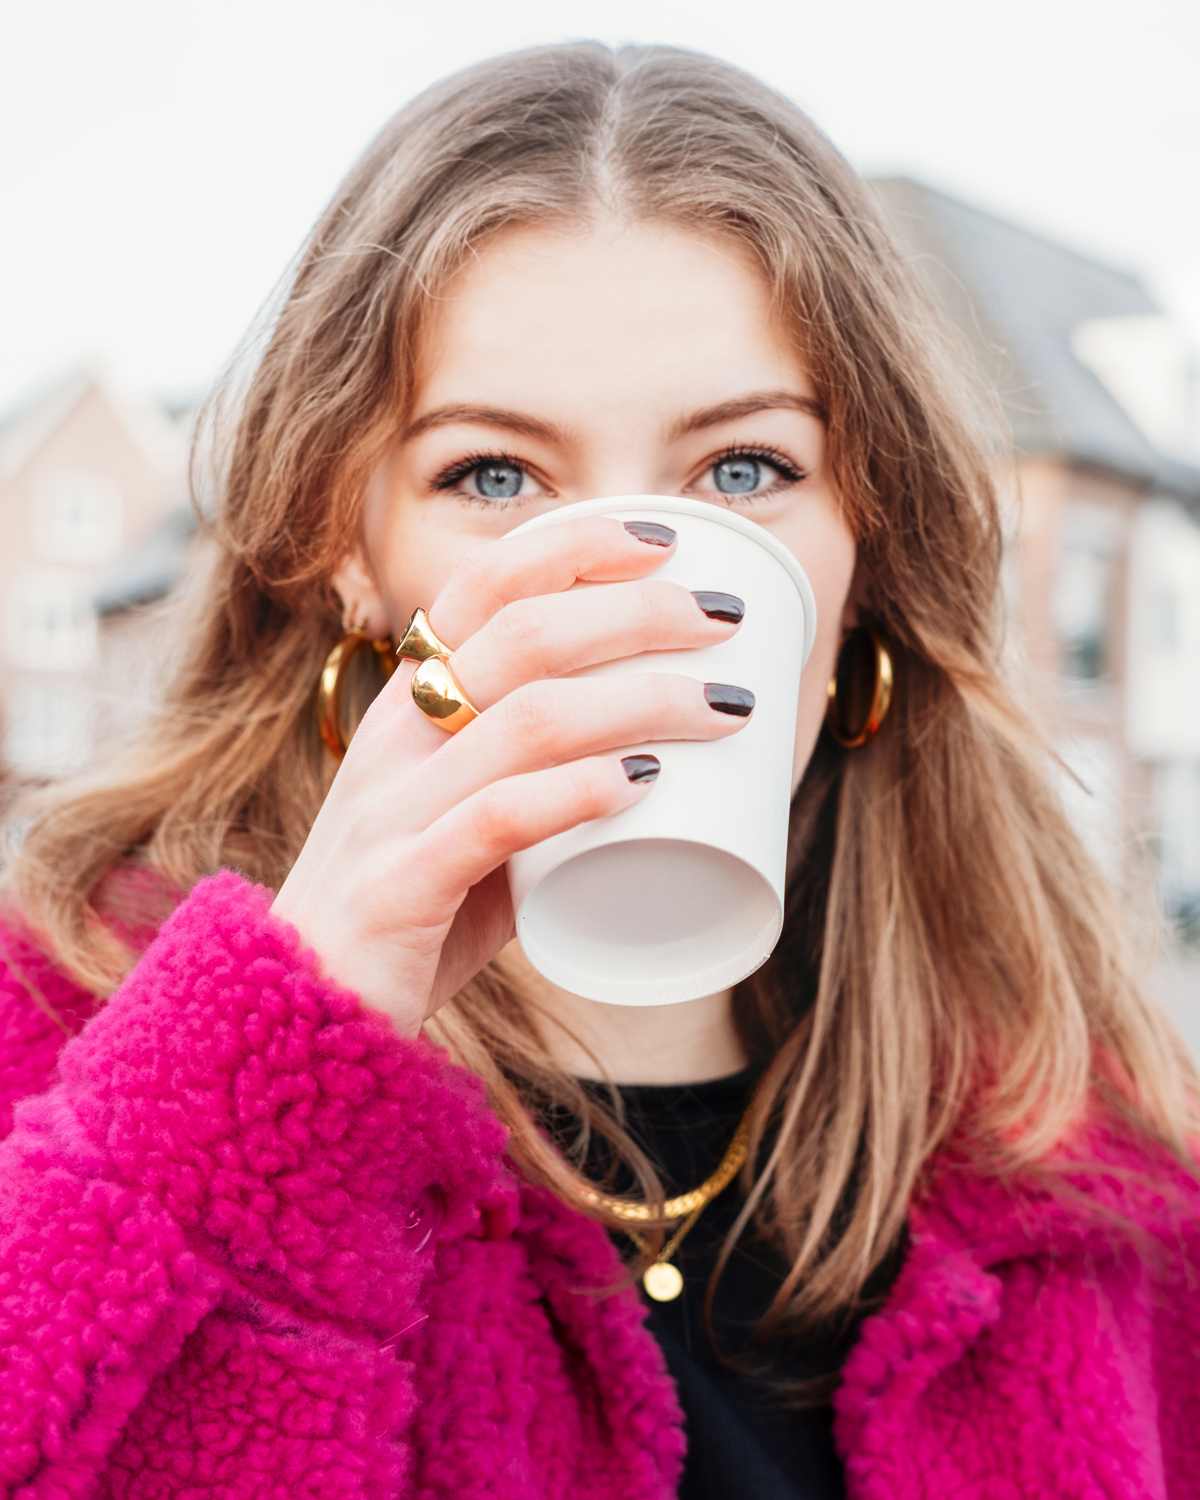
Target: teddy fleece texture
254 1245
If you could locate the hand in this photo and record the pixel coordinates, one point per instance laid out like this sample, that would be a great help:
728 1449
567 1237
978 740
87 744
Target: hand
400 887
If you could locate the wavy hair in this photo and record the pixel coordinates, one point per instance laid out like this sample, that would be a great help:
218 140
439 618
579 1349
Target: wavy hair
952 967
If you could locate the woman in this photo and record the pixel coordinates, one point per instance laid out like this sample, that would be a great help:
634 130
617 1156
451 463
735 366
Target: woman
331 1196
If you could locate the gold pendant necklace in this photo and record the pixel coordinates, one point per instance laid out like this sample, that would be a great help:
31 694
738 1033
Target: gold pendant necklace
661 1279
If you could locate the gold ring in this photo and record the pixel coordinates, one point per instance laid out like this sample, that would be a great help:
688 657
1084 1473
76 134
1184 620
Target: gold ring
419 643
436 692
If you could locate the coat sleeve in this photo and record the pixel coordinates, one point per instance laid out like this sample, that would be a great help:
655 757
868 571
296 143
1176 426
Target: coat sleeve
40 1009
1037 1345
230 1126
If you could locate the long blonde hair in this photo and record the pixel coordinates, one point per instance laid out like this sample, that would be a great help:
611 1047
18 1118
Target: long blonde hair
952 965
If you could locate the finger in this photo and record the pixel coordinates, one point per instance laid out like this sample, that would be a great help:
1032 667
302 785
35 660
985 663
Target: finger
553 634
562 720
481 927
600 549
476 836
393 738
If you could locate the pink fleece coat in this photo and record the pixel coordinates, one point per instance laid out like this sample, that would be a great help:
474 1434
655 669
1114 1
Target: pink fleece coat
253 1245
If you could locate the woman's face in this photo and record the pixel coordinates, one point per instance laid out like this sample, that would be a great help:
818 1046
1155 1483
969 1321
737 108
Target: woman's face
617 360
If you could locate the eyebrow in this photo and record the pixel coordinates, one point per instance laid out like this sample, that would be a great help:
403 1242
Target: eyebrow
747 406
486 416
548 432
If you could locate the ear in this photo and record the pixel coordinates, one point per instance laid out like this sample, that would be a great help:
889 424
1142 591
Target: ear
360 595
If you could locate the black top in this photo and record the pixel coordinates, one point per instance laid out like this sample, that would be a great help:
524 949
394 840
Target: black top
742 1440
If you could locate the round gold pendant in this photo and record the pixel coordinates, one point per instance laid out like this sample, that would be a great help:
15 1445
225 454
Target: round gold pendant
662 1281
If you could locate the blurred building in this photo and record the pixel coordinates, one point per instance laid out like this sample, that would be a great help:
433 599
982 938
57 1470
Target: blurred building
85 472
138 640
1103 567
1104 555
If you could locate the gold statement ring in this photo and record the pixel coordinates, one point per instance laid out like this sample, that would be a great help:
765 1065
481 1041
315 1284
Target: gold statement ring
419 641
437 693
435 689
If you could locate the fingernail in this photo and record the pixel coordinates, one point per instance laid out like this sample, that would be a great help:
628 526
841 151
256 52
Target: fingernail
642 767
650 533
727 699
727 607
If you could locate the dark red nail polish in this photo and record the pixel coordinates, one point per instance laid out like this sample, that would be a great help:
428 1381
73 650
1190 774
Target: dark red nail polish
727 607
642 767
727 699
651 533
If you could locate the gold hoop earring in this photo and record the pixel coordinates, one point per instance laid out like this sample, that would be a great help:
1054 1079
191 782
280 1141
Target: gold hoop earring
331 684
860 690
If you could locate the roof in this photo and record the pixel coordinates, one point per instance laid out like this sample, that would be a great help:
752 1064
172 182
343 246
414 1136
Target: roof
1020 301
151 568
160 437
26 428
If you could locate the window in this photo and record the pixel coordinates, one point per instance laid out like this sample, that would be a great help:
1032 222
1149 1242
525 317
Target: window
1083 596
1081 604
1176 787
51 623
77 519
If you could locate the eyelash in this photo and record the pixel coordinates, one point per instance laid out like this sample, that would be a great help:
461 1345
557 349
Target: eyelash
772 456
454 474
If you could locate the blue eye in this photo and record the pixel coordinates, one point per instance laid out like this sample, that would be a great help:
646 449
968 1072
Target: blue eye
738 475
498 481
489 481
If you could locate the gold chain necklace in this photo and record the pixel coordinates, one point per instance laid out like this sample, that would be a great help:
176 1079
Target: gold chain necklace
662 1280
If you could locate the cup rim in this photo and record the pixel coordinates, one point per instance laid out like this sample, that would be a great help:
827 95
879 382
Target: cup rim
605 505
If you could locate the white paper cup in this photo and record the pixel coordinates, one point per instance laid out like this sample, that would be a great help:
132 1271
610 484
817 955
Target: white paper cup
682 895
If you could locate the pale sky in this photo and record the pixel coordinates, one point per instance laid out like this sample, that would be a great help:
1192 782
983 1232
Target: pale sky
160 163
